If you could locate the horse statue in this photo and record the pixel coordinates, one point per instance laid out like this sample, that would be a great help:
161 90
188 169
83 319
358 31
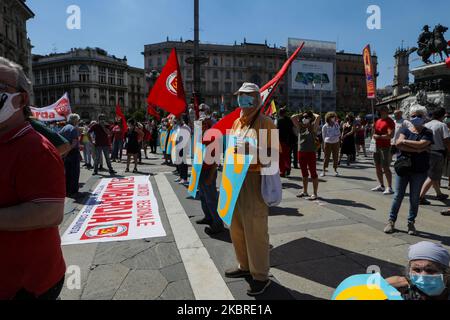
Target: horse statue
431 43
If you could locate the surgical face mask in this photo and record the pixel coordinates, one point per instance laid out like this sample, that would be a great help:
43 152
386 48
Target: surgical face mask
245 101
306 121
7 109
432 286
417 122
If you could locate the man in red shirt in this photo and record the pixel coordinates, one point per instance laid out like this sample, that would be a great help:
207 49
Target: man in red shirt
102 144
32 194
384 132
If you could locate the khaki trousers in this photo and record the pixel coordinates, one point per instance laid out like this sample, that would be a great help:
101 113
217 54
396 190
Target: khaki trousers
249 229
332 149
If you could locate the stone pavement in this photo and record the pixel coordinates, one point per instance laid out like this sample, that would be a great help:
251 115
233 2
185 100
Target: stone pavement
314 245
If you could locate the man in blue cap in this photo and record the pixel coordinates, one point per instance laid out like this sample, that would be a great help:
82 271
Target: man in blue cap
428 276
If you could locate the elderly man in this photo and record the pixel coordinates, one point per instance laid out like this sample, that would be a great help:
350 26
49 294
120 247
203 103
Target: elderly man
249 228
72 160
428 276
32 189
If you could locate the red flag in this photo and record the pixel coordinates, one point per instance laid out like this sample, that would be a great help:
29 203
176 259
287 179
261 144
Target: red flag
168 92
266 94
448 62
153 112
120 115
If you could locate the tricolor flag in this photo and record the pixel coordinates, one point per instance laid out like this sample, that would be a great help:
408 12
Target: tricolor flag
168 92
272 109
267 93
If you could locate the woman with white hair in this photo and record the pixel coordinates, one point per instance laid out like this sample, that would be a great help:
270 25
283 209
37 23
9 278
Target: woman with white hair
427 274
412 167
73 159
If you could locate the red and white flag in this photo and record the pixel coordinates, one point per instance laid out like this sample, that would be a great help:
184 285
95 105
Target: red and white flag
59 111
267 93
168 92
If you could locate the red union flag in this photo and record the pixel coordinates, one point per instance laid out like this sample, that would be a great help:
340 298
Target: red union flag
168 92
266 92
120 115
370 80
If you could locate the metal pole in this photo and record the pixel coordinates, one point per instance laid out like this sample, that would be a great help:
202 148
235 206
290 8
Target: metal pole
197 78
320 95
373 118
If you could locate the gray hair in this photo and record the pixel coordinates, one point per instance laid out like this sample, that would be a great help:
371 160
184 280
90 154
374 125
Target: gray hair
418 109
22 81
73 118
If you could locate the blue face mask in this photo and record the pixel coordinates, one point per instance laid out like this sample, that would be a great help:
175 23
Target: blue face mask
432 286
417 122
245 101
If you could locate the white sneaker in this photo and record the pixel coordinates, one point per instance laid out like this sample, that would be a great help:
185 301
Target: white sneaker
378 189
337 174
323 175
388 192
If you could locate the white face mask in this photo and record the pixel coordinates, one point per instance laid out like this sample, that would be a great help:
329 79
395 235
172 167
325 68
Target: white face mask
7 109
306 122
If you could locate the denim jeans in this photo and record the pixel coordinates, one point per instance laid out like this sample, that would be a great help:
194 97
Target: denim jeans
209 198
415 181
117 149
87 152
72 169
98 156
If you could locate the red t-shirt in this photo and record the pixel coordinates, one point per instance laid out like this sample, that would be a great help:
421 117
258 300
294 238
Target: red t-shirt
32 171
381 128
117 133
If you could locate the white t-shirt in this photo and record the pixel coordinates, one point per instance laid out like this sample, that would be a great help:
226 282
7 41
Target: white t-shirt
440 133
331 134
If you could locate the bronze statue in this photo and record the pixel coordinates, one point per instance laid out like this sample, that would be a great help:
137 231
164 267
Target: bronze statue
432 43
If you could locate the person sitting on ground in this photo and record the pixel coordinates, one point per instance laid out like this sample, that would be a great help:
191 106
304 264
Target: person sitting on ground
427 274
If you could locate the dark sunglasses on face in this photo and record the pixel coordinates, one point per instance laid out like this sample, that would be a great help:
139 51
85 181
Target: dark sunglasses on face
420 116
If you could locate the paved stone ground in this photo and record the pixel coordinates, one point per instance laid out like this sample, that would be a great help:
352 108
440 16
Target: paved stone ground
315 245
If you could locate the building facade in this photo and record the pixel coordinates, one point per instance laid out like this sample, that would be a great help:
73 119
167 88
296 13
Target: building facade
94 80
351 94
312 76
14 42
226 69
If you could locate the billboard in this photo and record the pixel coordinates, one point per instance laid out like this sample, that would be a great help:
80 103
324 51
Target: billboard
317 75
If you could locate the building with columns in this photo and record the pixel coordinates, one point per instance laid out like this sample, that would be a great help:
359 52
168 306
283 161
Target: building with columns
94 80
14 42
226 69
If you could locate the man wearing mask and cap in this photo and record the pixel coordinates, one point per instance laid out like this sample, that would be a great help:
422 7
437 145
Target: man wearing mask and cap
427 274
249 228
32 188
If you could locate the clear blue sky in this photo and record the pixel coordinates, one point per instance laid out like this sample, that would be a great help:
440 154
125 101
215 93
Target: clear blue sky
123 27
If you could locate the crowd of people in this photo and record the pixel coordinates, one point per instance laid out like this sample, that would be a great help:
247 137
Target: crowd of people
41 166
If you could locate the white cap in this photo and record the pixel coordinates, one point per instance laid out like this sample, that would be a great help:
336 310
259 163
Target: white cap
248 87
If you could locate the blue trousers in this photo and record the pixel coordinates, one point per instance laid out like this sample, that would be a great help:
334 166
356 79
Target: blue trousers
209 198
415 182
72 168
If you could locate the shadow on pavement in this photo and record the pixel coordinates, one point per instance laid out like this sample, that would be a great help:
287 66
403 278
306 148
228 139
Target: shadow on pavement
325 264
357 178
291 186
278 211
428 236
348 203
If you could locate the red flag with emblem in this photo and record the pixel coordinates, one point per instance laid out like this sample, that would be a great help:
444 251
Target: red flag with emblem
266 94
168 92
120 115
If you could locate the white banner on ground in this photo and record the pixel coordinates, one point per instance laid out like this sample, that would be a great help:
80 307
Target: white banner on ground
118 210
59 111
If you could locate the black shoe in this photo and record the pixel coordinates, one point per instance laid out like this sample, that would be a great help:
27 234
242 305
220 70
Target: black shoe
446 213
95 173
112 172
212 232
204 221
425 202
236 273
258 287
442 197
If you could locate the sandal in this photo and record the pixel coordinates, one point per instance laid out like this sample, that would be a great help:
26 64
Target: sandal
303 195
312 198
135 171
127 170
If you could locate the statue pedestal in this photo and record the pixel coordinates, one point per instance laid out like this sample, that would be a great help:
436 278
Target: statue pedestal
434 82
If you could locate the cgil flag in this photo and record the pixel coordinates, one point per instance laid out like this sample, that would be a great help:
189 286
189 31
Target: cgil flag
266 92
168 92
